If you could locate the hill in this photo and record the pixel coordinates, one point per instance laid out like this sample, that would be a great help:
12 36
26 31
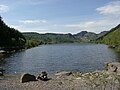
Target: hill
86 36
112 38
9 37
34 38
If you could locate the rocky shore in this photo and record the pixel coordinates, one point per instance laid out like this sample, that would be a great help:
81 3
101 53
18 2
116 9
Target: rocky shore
108 79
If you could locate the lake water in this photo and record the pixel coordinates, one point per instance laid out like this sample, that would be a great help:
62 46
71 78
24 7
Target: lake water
59 57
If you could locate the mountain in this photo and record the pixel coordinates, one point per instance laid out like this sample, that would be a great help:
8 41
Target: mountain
112 38
81 34
86 36
102 33
34 39
50 38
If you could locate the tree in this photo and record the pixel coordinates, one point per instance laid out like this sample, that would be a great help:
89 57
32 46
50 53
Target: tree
10 37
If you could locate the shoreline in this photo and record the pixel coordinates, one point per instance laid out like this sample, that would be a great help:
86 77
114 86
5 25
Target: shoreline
108 79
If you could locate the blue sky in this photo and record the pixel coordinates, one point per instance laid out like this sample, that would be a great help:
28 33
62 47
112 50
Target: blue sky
61 16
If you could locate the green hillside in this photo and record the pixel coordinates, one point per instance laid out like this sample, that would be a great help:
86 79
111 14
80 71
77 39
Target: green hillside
34 39
112 38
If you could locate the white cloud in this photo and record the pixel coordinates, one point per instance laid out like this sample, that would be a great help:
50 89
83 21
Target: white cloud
108 20
96 25
3 8
110 8
26 29
81 25
33 21
37 29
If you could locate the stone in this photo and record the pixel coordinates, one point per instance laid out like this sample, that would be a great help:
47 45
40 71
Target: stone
27 77
42 76
1 71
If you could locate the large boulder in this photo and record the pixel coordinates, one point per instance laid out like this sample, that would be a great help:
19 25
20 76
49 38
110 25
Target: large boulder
27 77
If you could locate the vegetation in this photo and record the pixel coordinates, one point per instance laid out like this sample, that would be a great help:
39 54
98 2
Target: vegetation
34 39
111 38
10 38
50 38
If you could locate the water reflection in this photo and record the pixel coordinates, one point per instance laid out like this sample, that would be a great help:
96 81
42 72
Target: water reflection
118 56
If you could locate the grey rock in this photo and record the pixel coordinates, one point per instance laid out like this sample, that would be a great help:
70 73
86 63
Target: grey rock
2 71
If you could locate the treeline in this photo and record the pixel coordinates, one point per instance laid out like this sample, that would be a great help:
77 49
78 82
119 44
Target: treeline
34 39
10 37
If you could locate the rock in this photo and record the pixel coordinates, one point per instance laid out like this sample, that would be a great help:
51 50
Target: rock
42 76
1 71
113 67
63 73
1 74
27 77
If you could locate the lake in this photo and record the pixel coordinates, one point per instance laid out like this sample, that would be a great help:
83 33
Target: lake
58 57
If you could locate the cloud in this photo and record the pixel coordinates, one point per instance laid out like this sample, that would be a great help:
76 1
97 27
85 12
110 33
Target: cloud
109 19
97 26
33 21
37 29
89 24
26 29
111 8
4 8
81 25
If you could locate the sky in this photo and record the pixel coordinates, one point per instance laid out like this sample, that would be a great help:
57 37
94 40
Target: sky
61 16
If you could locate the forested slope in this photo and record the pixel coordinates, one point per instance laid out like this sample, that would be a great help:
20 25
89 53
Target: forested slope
9 37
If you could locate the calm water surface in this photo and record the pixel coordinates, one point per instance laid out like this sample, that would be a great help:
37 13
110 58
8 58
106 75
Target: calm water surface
59 57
